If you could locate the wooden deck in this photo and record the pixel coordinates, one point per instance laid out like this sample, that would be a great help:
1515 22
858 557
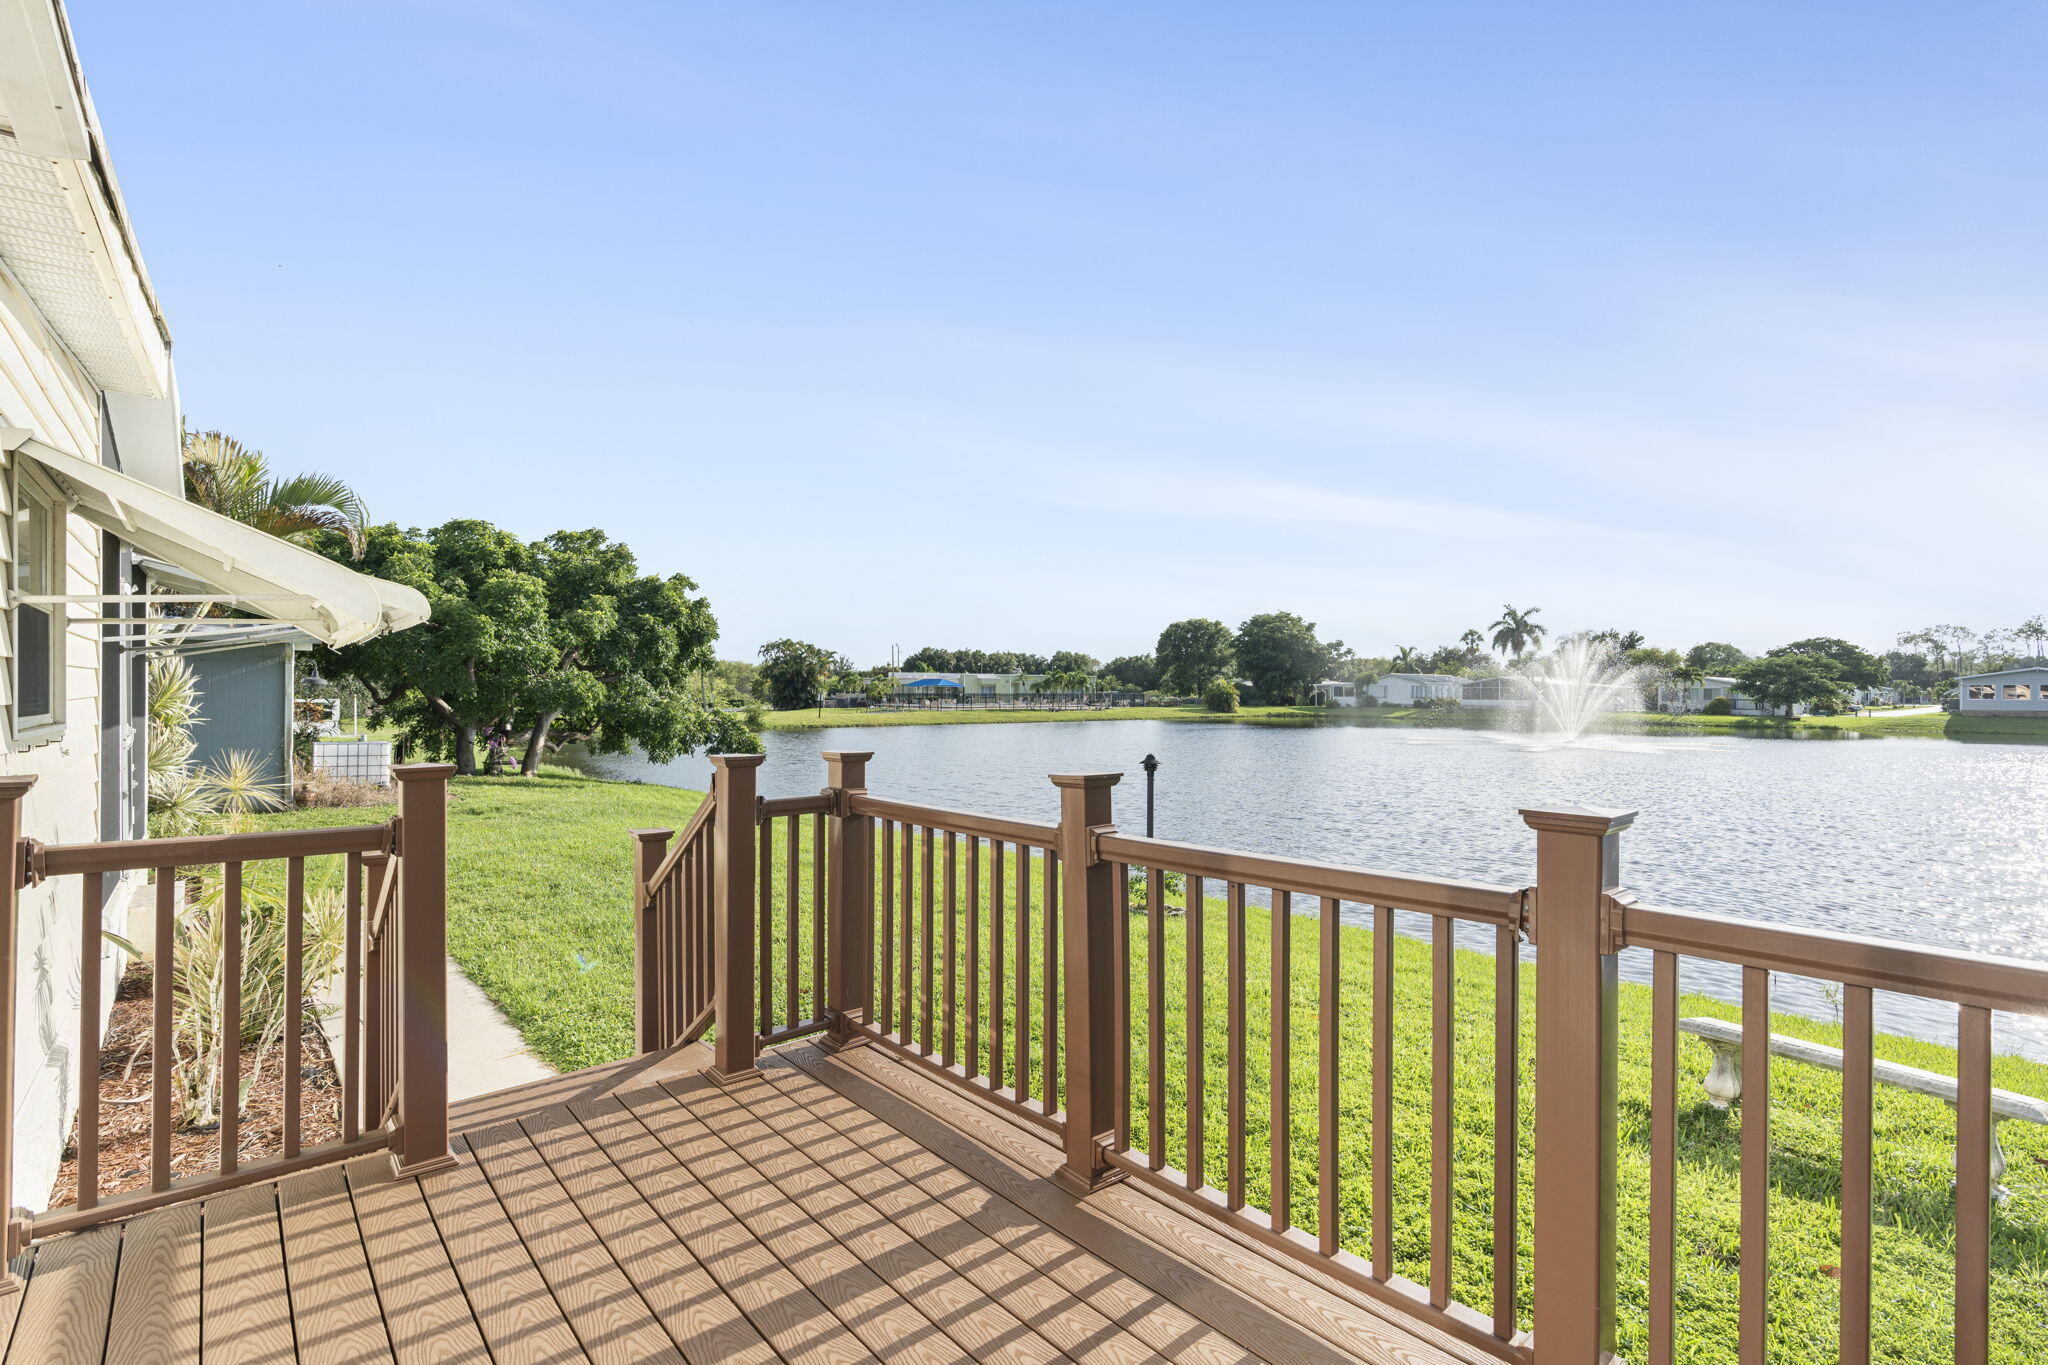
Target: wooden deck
837 1209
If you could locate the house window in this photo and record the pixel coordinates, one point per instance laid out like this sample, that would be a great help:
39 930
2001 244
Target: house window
1983 692
2017 692
38 627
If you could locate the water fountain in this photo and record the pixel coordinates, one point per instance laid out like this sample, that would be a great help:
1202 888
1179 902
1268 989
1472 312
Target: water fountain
1573 687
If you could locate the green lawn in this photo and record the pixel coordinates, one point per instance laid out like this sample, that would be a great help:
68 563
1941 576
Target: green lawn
539 916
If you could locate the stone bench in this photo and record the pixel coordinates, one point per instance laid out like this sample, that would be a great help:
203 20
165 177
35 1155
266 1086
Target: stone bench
1724 1080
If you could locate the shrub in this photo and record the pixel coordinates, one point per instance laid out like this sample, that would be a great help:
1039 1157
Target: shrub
1220 695
1368 700
1718 706
1438 704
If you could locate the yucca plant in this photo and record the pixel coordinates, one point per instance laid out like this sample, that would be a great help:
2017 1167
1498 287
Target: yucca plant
198 980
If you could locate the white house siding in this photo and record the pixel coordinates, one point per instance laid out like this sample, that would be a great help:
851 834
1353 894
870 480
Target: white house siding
2033 680
43 389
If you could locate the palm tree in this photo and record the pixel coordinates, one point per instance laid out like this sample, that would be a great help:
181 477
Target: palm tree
1515 633
1687 676
224 476
1406 658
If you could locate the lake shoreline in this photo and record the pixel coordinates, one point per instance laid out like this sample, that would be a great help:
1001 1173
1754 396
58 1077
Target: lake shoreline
1916 725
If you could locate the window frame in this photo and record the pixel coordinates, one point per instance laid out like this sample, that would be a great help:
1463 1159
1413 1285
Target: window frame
27 486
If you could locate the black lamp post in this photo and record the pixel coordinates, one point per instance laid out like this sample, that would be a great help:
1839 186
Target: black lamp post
1151 767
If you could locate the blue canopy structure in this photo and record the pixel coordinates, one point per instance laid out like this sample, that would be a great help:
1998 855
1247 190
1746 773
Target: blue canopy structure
933 682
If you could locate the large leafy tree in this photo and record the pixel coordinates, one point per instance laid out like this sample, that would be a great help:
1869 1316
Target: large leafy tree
1717 657
1856 666
1789 680
794 672
546 641
1192 652
225 476
1278 653
1139 672
932 659
1516 633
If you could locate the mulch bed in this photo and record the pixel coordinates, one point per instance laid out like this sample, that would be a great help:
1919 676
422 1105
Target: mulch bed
125 1076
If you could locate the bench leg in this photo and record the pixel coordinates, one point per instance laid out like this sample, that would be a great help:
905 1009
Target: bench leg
1724 1079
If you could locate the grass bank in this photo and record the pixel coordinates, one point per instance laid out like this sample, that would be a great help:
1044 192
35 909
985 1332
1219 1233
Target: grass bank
539 917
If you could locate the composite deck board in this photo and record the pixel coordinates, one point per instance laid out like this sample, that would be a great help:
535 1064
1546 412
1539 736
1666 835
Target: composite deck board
870 1309
1160 1324
976 1321
792 1319
248 1307
1270 1309
609 1317
424 1308
515 1312
157 1298
645 1211
946 1219
334 1304
697 1313
69 1299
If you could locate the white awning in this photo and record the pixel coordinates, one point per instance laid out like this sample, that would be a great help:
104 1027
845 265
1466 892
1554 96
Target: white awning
265 575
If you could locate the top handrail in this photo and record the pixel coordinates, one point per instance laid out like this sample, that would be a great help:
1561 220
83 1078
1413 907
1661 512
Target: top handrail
699 821
957 821
60 860
1478 901
1983 979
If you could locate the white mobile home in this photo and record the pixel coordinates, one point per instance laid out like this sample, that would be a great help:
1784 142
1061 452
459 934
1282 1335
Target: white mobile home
2009 692
1406 689
95 520
1694 699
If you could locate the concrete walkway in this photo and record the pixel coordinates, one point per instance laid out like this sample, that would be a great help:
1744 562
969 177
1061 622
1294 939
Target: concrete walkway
485 1053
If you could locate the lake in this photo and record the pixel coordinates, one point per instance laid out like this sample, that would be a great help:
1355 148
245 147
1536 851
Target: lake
1926 841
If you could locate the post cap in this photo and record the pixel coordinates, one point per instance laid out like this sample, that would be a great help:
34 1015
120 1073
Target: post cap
16 786
1087 781
846 755
1149 762
413 772
1578 819
652 836
738 760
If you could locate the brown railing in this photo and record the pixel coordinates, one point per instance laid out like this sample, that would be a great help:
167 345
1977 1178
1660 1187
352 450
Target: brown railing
393 984
673 932
1035 965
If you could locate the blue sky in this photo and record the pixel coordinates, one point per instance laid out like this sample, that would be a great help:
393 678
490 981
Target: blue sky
1041 326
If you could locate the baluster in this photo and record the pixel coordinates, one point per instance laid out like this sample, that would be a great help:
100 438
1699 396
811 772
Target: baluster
906 1023
1051 1050
1663 1157
162 974
1198 1043
1235 1012
1155 1017
1121 975
764 893
820 968
1856 1095
1328 1006
1507 1109
885 996
973 1067
1973 1186
1754 1312
92 906
928 944
295 998
998 1003
1024 1012
949 1029
1382 1093
231 1019
792 899
1280 1069
1443 1077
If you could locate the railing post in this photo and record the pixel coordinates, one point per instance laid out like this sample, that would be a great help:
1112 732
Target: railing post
650 978
421 1143
1578 865
732 987
1088 909
12 867
850 909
